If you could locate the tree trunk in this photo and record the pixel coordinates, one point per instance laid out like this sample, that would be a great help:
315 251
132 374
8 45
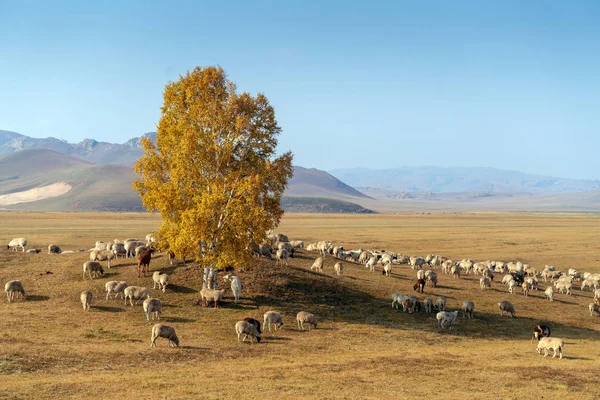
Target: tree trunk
205 278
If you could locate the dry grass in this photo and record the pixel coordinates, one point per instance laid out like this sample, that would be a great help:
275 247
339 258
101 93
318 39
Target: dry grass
50 348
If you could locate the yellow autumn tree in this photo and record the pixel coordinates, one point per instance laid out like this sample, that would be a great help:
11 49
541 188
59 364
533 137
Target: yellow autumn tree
213 173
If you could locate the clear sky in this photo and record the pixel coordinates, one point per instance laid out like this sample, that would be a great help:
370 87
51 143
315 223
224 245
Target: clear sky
505 84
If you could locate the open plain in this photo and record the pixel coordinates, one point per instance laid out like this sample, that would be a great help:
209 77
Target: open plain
362 348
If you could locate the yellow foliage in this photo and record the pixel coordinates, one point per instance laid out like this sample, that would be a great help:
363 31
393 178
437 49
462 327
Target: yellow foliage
213 174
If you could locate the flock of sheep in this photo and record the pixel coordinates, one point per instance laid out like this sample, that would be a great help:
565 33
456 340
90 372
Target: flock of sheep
516 274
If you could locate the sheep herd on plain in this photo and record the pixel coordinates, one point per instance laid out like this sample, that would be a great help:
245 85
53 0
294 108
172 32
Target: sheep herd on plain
516 275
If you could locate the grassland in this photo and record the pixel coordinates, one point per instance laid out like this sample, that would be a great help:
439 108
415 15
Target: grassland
50 348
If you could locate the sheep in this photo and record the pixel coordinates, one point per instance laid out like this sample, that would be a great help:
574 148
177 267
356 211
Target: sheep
162 280
549 293
387 269
164 331
431 276
597 293
507 278
468 307
532 282
540 331
417 262
131 245
279 237
594 308
456 271
209 295
338 268
17 242
485 283
254 322
33 251
447 318
236 285
371 263
419 285
54 249
116 288
86 299
506 306
272 317
564 286
318 265
282 256
547 343
247 329
525 287
428 305
440 303
152 306
118 249
421 274
92 267
397 299
364 257
13 287
591 283
511 286
298 244
150 239
135 292
286 246
102 255
309 318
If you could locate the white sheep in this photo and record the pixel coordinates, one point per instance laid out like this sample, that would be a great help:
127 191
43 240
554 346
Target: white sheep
549 293
209 295
506 306
468 307
309 318
318 265
525 287
387 269
594 308
150 239
282 256
512 286
131 245
152 306
456 270
13 287
272 317
162 280
446 318
86 299
116 288
485 283
397 299
338 268
164 331
562 285
298 244
236 285
428 305
248 330
440 303
92 267
17 242
371 263
135 293
102 255
421 274
547 343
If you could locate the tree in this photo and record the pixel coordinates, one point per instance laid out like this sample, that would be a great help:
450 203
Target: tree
213 174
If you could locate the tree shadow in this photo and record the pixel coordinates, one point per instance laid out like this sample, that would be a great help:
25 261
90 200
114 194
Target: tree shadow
275 338
179 319
181 289
37 297
109 309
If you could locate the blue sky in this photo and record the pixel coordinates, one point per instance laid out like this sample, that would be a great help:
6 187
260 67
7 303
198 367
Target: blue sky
505 84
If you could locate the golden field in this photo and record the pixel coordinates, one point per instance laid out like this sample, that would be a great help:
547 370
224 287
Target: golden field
51 348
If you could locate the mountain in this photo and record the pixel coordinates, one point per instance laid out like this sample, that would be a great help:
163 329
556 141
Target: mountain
457 180
312 182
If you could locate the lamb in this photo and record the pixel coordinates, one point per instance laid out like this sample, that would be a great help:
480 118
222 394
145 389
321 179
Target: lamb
17 242
440 303
86 299
246 329
54 249
271 317
161 279
419 286
236 285
13 287
282 256
254 322
318 265
116 288
428 304
549 293
594 308
102 255
447 318
135 292
540 331
152 306
304 317
397 299
506 306
338 268
468 307
164 331
92 267
485 283
547 343
209 295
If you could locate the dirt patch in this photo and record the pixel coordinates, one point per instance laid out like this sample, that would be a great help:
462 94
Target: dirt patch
41 193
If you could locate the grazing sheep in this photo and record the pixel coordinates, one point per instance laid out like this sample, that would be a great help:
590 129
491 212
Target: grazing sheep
594 308
271 317
92 267
419 286
397 299
468 307
511 286
540 331
338 268
549 293
102 255
485 283
532 282
564 286
411 304
309 318
54 249
86 299
455 271
298 244
417 262
446 318
13 287
116 288
431 276
547 343
152 306
236 285
440 303
209 295
135 293
591 283
247 329
164 331
282 256
506 306
130 245
254 322
318 265
162 280
286 246
428 305
18 242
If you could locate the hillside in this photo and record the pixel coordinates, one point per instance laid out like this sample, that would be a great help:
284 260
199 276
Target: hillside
312 182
